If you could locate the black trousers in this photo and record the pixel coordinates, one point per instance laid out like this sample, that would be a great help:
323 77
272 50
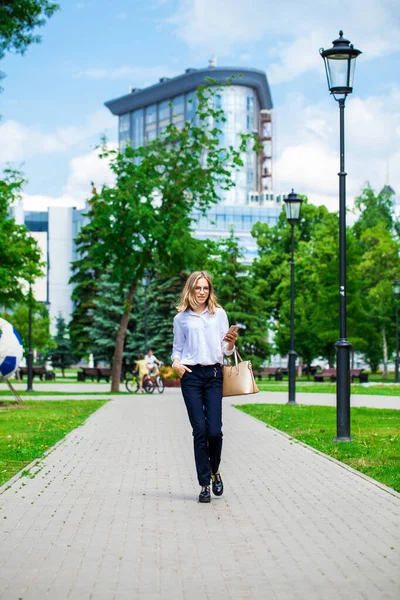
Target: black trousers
202 392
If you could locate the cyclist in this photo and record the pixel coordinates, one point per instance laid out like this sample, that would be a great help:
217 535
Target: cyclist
151 363
142 369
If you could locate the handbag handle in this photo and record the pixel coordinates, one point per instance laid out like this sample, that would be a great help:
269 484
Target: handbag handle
237 356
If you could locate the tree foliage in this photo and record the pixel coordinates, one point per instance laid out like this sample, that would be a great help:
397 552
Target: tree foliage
60 355
144 221
20 258
239 295
18 21
19 317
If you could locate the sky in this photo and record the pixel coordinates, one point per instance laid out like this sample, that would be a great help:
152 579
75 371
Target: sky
52 104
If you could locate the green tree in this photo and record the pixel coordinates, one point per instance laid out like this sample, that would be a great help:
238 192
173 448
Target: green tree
18 21
379 266
108 305
145 220
316 281
153 311
20 259
85 281
378 245
60 355
19 317
239 296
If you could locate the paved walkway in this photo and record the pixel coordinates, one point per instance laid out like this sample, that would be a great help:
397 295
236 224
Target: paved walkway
103 392
112 514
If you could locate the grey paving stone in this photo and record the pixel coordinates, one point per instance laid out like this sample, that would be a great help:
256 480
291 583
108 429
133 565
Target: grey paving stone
112 513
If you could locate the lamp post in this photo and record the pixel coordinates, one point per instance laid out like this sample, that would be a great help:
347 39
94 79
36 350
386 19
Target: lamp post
293 206
146 281
396 291
29 387
340 61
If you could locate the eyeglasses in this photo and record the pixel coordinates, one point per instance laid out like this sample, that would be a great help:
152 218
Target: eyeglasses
198 289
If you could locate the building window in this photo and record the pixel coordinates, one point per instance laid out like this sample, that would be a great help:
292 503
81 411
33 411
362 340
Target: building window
124 123
150 123
137 128
164 115
190 105
124 130
178 110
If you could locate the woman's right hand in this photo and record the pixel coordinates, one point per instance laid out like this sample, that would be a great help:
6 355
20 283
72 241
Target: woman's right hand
180 369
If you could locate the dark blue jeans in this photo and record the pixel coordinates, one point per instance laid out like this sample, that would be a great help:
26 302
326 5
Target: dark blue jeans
202 392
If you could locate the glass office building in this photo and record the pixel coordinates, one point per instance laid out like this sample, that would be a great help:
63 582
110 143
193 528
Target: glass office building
144 113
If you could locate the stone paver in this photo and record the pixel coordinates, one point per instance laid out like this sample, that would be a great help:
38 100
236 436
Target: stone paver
112 513
102 392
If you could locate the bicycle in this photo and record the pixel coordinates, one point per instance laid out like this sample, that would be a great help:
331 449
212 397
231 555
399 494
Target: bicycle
132 384
157 379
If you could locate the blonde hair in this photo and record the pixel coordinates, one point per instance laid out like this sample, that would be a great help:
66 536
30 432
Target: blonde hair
187 299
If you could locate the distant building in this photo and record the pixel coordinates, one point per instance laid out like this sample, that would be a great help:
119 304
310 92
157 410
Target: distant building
144 113
55 230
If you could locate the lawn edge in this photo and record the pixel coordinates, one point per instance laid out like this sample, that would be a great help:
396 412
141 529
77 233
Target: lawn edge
375 482
6 485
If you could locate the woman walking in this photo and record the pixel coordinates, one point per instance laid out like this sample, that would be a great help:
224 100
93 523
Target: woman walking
201 337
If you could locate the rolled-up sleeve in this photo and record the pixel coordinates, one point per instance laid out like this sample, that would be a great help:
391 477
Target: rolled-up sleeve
179 341
224 326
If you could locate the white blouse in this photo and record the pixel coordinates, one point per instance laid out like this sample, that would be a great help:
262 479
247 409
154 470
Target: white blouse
198 338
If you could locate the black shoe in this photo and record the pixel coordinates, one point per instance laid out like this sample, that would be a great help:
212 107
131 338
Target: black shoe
217 485
205 495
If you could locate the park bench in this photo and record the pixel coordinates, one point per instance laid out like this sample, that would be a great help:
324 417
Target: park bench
104 373
331 373
358 374
95 373
40 371
269 372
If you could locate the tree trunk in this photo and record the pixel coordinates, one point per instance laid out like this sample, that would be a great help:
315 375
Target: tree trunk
300 367
120 339
385 354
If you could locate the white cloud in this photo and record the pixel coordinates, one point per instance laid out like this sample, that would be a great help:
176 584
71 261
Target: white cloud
20 142
307 146
84 170
300 26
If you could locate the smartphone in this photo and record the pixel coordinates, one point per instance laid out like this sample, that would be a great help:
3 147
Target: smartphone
232 329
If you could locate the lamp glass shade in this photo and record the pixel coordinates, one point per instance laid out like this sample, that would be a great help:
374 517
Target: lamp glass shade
340 63
396 288
293 206
340 72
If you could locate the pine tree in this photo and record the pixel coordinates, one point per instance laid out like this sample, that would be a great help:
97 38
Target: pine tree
239 296
85 276
61 355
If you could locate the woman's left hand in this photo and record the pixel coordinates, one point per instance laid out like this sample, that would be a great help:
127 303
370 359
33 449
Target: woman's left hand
231 338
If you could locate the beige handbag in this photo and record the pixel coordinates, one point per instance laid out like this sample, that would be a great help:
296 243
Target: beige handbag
238 378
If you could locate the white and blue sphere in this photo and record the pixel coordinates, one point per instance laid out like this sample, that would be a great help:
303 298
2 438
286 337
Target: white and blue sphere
11 350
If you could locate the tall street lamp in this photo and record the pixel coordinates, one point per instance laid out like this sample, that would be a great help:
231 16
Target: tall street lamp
396 291
340 61
29 387
146 281
293 206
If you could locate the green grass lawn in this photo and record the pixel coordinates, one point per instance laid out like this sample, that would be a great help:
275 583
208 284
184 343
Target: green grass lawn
329 388
7 392
375 449
29 429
